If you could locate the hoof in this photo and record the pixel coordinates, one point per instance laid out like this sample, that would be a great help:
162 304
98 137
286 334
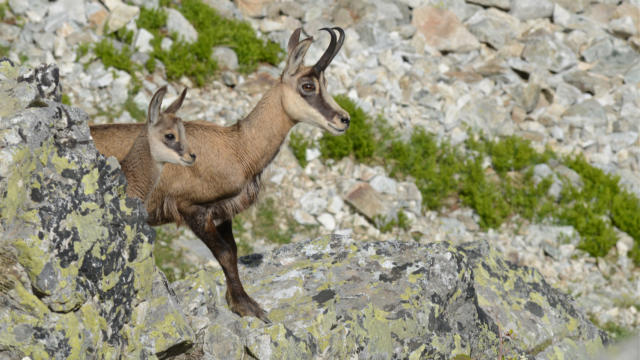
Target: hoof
244 305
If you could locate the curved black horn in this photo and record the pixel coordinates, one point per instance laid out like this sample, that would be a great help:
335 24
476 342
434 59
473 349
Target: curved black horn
324 61
339 45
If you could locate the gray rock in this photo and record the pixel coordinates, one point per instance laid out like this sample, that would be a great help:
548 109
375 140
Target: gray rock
366 201
142 42
586 81
588 112
224 8
531 9
599 50
177 23
443 30
547 52
457 296
493 27
576 6
623 26
76 252
121 15
384 184
313 202
502 4
632 76
225 57
566 95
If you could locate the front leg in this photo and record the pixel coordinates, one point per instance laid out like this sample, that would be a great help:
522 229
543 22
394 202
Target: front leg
219 239
237 298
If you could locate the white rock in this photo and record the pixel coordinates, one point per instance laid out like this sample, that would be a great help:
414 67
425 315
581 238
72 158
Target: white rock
384 184
312 153
335 204
225 57
142 41
303 218
176 22
313 202
327 221
166 44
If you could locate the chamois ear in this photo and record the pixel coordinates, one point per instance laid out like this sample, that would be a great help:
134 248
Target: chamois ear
296 55
154 105
176 104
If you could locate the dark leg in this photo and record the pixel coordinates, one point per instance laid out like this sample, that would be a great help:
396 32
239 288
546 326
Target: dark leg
237 298
221 243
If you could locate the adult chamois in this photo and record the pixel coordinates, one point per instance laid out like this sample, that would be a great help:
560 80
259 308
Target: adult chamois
162 141
225 179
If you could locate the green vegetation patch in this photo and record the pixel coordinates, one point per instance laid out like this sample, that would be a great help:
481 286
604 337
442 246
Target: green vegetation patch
194 60
495 178
171 262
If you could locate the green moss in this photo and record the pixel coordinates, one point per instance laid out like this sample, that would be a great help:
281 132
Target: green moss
4 51
299 146
171 261
110 56
132 108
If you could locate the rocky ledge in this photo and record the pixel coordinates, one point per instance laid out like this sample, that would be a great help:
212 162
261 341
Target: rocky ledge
79 279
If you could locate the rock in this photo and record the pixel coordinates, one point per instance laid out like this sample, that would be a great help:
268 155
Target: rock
443 30
176 22
384 184
75 252
531 9
587 81
142 41
623 26
588 112
458 304
224 8
121 14
547 52
502 4
253 8
313 202
599 50
327 221
304 218
366 201
575 6
225 57
493 27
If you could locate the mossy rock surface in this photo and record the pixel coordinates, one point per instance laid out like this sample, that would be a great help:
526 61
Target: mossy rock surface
75 252
381 300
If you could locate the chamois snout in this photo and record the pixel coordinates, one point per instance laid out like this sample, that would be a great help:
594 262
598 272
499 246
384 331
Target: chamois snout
345 120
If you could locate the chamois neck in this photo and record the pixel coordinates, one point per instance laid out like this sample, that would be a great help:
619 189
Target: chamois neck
264 130
140 169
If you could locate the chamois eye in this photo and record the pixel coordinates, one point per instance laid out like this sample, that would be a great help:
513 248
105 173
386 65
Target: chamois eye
170 137
309 87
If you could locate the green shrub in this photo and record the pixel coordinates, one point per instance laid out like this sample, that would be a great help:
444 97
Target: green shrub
194 60
299 145
110 56
359 139
433 166
513 154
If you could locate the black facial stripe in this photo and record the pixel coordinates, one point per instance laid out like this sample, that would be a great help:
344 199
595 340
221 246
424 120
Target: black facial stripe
318 103
175 146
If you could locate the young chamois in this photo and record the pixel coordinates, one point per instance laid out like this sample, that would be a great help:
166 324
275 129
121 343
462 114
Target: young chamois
162 140
226 178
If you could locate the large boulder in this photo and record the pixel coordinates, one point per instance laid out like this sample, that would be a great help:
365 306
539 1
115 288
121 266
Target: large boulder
78 278
340 299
